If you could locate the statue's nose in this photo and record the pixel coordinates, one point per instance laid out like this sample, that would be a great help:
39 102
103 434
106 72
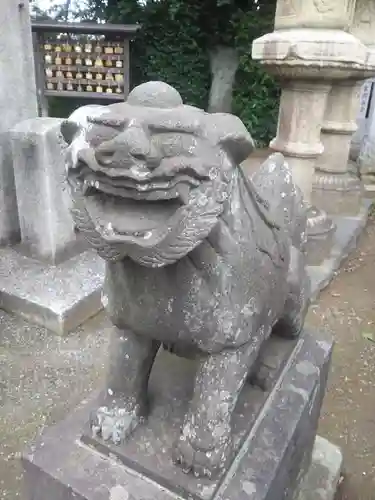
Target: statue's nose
133 142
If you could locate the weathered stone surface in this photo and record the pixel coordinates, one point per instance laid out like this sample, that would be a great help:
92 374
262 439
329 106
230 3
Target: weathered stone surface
339 125
323 476
364 22
328 14
366 107
338 194
47 229
274 435
316 54
17 101
366 158
57 297
298 141
200 258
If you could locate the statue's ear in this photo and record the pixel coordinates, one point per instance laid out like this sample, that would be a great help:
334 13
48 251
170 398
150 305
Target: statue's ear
69 130
79 119
229 131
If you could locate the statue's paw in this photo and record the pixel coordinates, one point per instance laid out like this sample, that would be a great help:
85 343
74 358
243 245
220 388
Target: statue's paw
113 424
202 463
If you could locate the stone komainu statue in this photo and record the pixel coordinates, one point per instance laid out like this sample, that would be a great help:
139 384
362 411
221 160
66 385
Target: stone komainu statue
199 258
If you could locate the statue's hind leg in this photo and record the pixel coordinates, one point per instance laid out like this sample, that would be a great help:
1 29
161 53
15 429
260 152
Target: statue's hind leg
124 402
205 443
298 300
291 322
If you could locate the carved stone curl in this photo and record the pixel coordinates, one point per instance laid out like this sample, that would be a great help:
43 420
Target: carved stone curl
199 258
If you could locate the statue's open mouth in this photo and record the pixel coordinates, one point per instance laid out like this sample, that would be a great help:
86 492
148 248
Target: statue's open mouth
129 210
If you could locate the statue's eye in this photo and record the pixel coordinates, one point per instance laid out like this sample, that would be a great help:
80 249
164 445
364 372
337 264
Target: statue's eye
170 144
175 144
101 133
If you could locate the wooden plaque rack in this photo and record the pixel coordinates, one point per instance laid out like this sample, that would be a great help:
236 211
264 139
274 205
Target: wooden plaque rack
84 60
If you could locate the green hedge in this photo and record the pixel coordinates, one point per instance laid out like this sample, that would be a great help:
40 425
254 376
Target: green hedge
172 46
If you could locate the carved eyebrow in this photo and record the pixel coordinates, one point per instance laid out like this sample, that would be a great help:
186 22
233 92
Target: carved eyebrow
176 125
165 125
113 121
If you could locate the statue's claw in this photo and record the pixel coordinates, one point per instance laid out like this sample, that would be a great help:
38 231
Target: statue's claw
200 462
113 424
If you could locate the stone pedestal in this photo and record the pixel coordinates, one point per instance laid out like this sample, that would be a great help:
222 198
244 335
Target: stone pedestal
301 112
339 125
332 178
18 101
274 432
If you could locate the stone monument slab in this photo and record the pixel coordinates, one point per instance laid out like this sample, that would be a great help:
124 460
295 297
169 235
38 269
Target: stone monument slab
274 433
18 101
47 229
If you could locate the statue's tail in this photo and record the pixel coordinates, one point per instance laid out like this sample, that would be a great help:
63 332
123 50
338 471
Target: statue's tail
285 204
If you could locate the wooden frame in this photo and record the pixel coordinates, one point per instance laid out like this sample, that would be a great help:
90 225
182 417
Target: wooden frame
84 60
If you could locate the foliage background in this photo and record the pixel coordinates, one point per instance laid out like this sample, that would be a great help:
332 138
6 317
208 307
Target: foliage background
173 45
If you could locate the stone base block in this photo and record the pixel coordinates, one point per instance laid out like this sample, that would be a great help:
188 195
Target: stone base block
318 223
58 297
274 430
369 182
323 476
325 254
337 194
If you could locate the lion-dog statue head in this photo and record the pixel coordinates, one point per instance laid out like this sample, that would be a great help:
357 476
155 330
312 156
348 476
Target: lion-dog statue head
149 176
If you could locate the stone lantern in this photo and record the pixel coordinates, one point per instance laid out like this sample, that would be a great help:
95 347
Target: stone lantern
310 53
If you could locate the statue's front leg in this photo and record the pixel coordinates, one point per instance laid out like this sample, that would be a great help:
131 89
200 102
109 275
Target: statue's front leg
205 443
124 401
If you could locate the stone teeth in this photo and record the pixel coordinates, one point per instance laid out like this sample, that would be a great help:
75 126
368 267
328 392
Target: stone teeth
183 192
85 187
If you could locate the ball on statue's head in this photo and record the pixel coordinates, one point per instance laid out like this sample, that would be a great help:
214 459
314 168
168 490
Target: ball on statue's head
155 95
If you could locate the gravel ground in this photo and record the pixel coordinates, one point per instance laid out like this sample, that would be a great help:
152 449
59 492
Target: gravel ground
42 377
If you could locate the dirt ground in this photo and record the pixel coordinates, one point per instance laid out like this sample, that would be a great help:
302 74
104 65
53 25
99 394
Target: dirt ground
347 309
42 377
